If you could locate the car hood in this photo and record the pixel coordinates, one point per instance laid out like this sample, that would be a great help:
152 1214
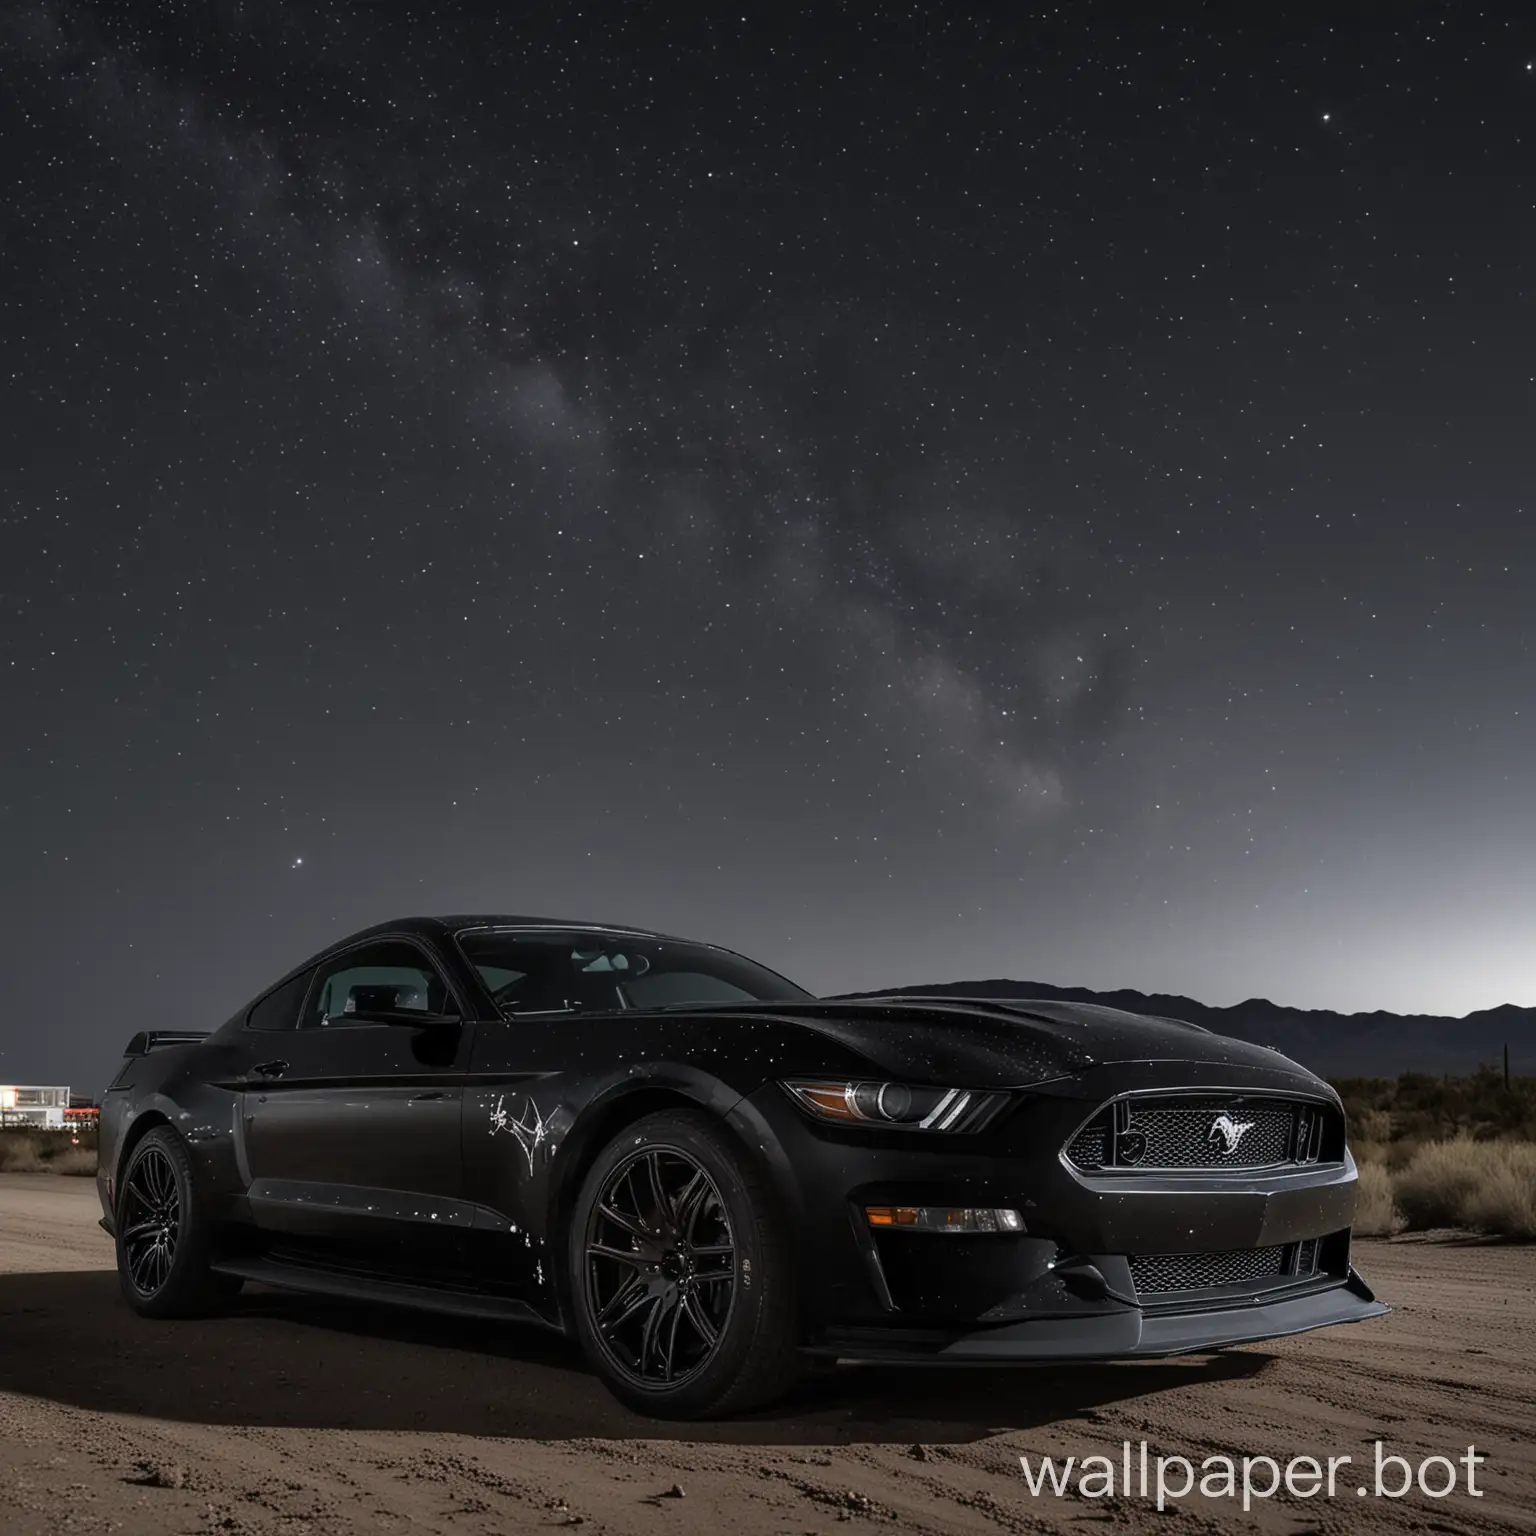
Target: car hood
984 1043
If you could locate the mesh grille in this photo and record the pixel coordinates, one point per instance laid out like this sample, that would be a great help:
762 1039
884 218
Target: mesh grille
1090 1147
1158 1274
1185 1133
1188 1138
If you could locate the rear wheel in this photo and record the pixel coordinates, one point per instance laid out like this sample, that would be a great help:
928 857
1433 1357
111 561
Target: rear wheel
682 1278
162 1234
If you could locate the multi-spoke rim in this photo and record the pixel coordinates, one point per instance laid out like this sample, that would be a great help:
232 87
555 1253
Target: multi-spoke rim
150 1220
660 1267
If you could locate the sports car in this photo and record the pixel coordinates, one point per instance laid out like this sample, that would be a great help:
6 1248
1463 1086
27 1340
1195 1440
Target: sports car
710 1177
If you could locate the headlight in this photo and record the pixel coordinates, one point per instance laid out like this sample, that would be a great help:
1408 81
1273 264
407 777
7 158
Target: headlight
895 1104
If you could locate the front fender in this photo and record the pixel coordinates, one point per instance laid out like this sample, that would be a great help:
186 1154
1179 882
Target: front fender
579 1136
619 1101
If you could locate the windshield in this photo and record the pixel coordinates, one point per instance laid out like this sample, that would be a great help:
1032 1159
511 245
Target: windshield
561 971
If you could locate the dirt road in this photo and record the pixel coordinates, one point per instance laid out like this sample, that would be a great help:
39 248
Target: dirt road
295 1416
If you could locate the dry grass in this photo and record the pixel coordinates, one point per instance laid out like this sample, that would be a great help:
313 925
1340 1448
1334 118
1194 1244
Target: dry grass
29 1151
1483 1186
1505 1203
1376 1213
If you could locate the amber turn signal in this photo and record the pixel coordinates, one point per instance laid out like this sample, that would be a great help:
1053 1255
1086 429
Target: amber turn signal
944 1218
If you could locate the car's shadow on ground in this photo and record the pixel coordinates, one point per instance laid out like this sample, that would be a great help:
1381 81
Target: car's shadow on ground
305 1361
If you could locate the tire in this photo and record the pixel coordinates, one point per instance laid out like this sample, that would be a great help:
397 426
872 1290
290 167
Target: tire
163 1236
653 1277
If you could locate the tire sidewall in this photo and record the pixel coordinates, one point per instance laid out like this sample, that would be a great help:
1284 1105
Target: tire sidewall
187 1266
692 1135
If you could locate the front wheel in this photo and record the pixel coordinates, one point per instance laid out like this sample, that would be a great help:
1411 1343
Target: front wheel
162 1234
682 1277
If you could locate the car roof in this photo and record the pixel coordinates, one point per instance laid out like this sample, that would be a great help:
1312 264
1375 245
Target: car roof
444 924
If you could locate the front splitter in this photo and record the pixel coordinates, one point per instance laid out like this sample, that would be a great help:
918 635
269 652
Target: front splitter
1127 1334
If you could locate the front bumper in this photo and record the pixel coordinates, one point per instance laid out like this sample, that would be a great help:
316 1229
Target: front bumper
882 1295
1126 1334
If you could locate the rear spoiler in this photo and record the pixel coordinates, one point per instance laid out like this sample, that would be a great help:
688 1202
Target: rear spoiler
148 1040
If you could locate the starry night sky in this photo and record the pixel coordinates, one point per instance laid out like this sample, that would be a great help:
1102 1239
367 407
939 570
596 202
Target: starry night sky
955 492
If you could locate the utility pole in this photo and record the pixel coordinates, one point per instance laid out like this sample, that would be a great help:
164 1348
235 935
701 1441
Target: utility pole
1506 1066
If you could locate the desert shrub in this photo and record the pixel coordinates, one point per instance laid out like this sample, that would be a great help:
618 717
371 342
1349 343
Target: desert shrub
1400 1153
1484 1186
18 1154
24 1150
1422 1107
1376 1210
77 1161
1393 1156
1504 1201
1432 1190
1369 1126
18 1150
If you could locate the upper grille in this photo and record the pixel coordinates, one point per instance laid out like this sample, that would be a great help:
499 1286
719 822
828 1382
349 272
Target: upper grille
1158 1274
1090 1147
1205 1131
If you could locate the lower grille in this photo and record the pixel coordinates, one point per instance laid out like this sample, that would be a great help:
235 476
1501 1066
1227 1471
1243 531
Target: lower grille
1158 1274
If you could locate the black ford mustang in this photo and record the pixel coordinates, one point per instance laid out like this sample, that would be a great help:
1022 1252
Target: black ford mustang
708 1175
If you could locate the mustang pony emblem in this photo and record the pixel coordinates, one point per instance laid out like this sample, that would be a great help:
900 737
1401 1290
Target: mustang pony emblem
1228 1132
530 1135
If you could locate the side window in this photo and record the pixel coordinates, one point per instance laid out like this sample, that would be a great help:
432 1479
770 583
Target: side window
279 1009
388 974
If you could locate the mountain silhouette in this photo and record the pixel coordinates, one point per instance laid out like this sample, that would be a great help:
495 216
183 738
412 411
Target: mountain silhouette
1375 1044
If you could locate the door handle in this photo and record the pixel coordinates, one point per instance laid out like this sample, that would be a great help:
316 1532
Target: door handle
431 1093
270 1068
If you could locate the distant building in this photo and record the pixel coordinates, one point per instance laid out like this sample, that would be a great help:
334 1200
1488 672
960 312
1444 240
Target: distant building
42 1108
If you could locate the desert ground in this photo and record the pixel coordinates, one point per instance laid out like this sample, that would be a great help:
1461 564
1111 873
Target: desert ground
295 1415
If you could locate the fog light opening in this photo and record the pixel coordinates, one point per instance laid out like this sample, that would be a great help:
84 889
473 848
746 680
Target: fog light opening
943 1218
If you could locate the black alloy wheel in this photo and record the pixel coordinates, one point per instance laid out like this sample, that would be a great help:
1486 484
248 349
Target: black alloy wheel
661 1266
163 1239
682 1274
150 1218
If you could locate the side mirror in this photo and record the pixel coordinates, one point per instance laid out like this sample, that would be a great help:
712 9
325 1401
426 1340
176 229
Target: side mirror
409 1018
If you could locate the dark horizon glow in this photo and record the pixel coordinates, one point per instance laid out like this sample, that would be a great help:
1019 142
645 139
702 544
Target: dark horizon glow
909 497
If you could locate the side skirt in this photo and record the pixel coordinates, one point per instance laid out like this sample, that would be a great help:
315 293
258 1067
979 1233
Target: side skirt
313 1280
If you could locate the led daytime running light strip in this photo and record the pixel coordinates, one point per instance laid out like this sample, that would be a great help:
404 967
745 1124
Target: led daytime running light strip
946 1111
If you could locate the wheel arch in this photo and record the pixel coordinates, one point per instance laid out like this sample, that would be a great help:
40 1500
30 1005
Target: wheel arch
159 1109
138 1128
628 1104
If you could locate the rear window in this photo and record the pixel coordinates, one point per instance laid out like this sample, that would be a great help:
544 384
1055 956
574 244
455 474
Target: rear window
279 1009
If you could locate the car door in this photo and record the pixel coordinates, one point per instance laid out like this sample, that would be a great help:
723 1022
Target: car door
531 1074
350 1126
